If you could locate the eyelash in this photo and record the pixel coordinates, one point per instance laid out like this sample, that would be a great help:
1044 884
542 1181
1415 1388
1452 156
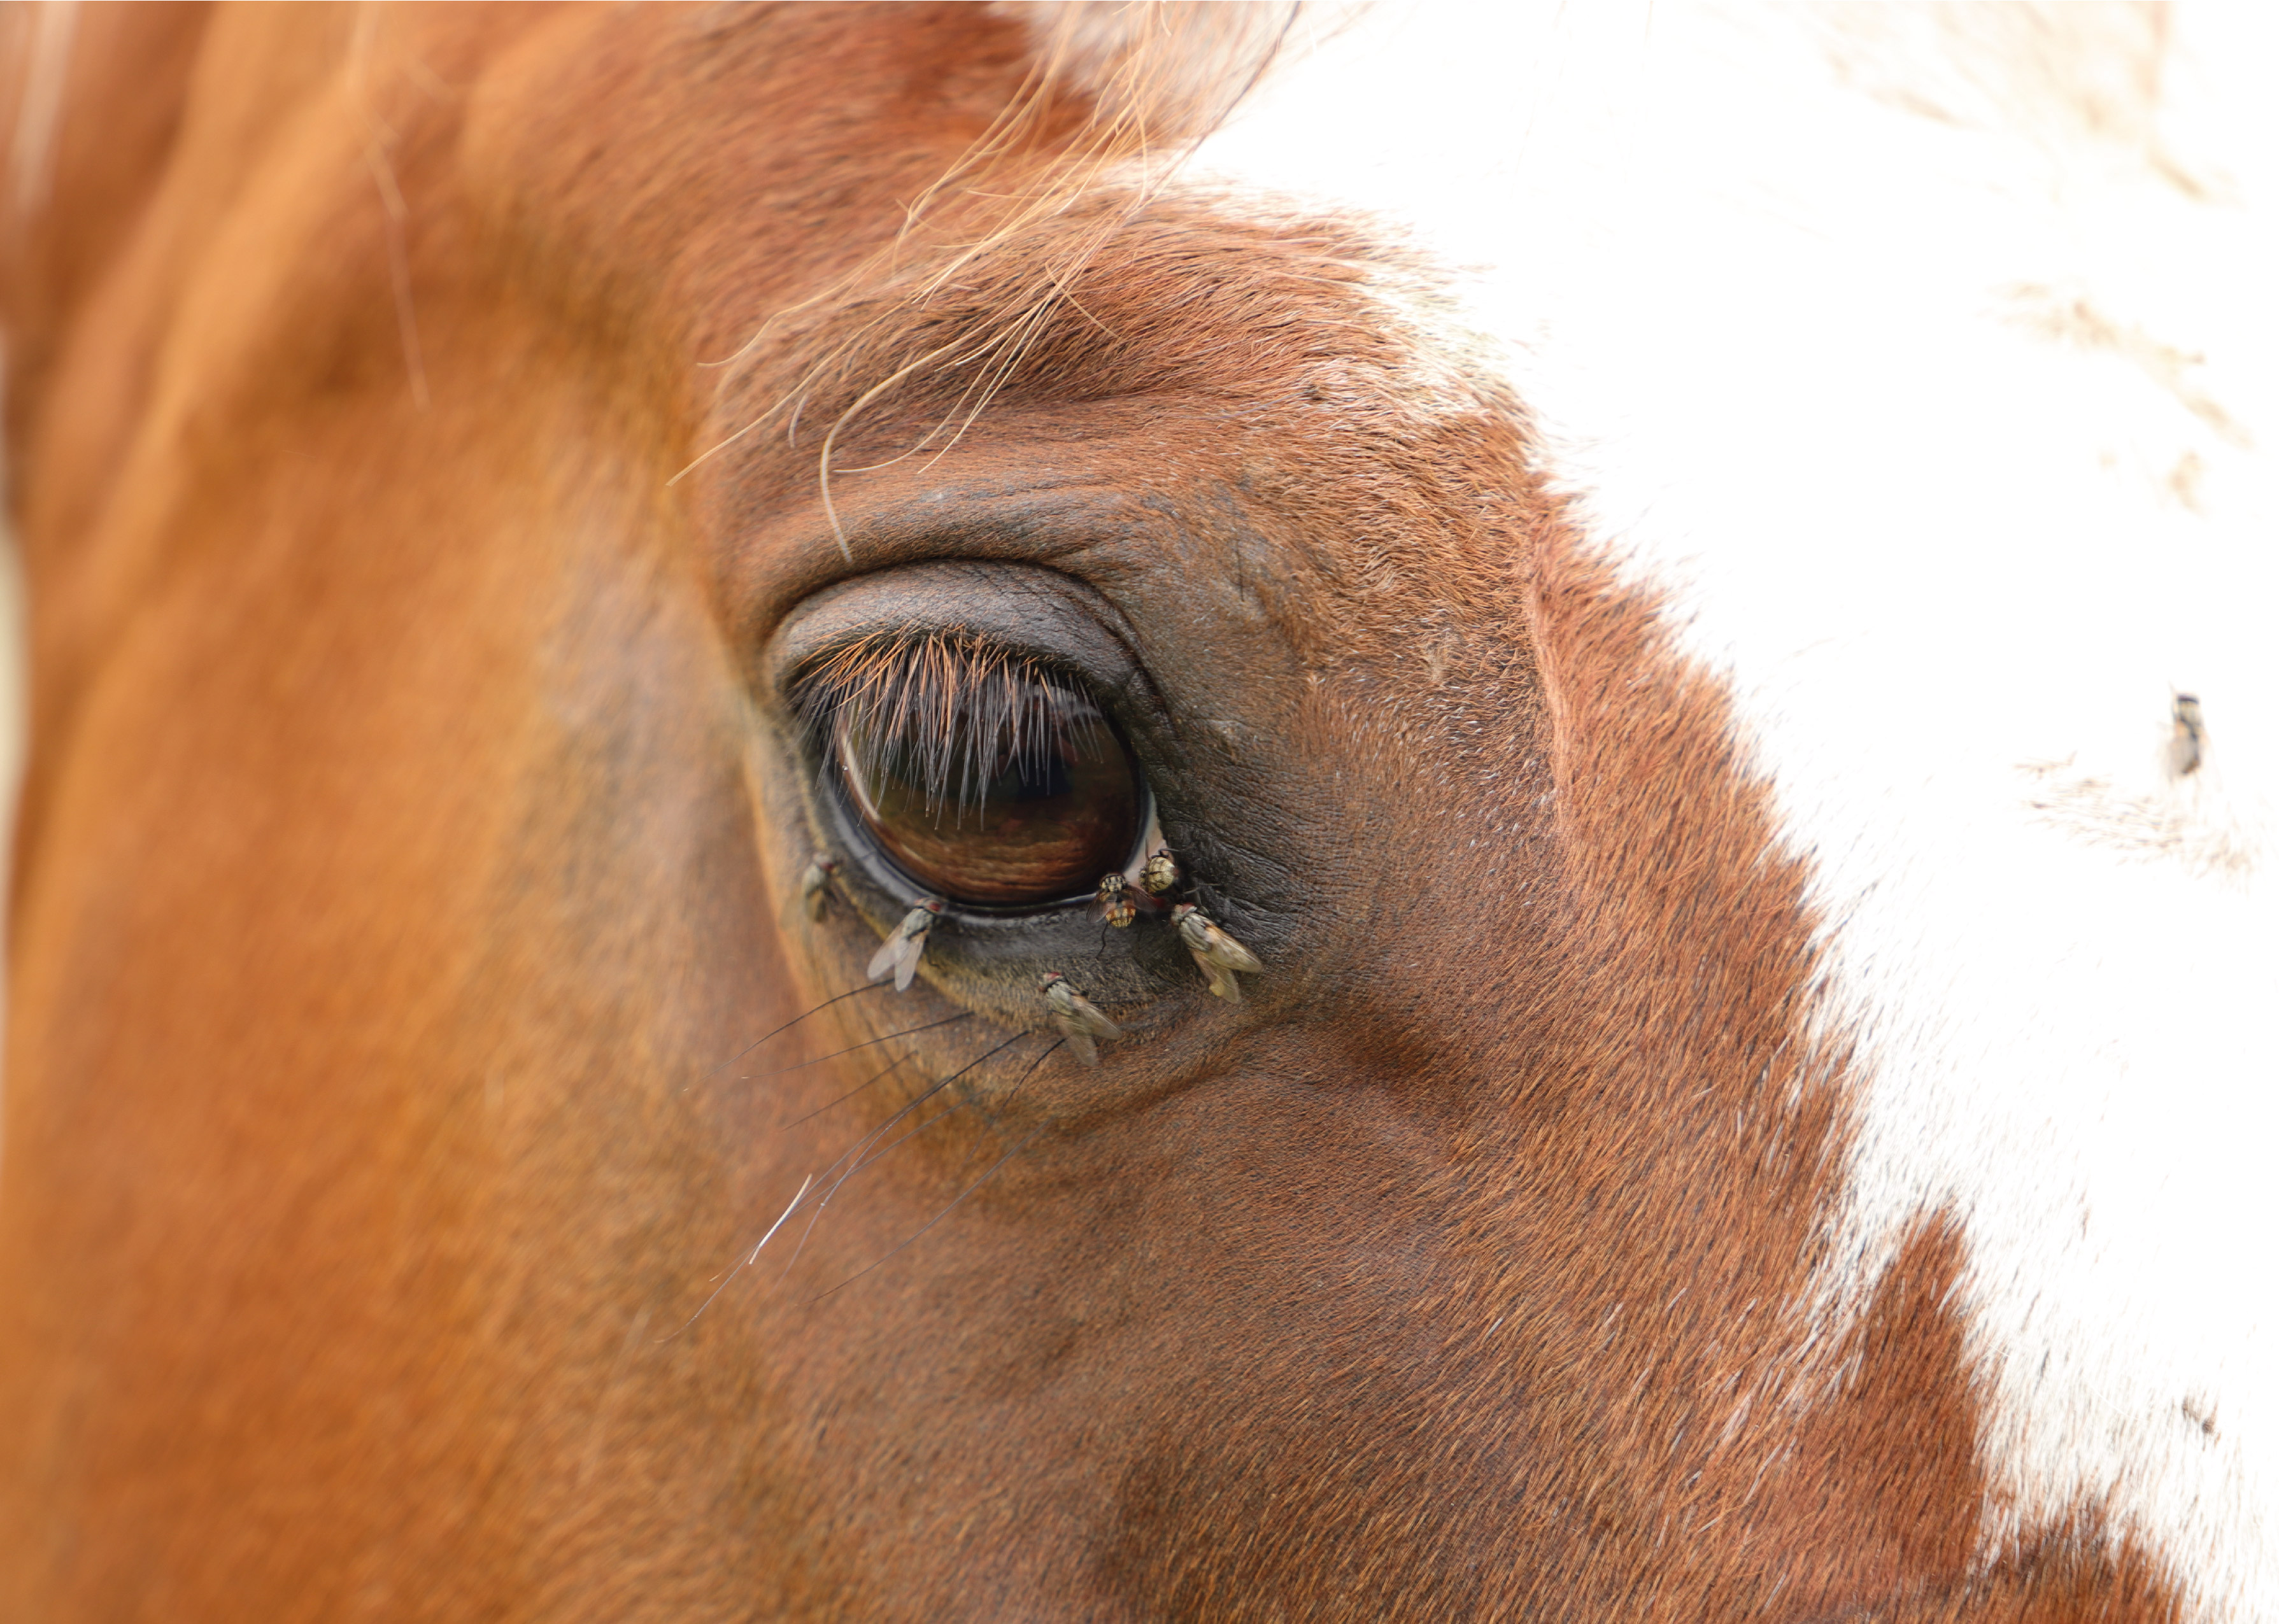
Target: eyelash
983 776
956 702
924 728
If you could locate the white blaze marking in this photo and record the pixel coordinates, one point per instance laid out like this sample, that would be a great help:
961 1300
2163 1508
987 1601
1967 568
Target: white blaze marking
1945 402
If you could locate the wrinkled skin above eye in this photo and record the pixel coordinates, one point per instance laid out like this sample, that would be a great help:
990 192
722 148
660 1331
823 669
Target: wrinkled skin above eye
1009 822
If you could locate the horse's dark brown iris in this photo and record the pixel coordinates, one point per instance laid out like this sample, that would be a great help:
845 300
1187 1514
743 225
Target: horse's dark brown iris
1033 824
986 777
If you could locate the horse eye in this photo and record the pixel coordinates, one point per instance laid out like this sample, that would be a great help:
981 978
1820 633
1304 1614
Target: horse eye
987 781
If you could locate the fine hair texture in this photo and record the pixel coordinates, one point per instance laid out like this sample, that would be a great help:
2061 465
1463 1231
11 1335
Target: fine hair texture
1116 98
953 712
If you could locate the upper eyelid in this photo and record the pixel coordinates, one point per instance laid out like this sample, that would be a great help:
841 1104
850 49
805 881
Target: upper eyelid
1029 612
896 700
811 691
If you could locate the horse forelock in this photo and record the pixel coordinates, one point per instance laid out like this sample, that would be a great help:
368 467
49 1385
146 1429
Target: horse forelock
1113 98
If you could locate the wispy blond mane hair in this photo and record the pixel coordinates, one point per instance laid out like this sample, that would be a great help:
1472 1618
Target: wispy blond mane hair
1119 92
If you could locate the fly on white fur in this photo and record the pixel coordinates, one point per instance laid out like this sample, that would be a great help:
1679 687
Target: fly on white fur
2187 743
899 954
1076 1018
1217 954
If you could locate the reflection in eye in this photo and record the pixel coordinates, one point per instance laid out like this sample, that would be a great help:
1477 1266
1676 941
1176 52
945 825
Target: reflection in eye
985 775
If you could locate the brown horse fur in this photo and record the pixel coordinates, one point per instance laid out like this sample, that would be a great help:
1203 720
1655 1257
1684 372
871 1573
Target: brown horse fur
412 818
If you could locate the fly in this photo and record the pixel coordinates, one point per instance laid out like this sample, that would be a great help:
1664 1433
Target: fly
1161 873
1217 954
2187 737
1113 902
815 886
899 954
1076 1018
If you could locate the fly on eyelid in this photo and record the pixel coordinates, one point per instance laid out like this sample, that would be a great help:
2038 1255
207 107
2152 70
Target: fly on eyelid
1160 874
815 886
1075 1017
1119 901
1216 955
899 954
1113 900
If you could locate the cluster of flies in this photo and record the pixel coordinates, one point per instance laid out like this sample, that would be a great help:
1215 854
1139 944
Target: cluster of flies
1117 900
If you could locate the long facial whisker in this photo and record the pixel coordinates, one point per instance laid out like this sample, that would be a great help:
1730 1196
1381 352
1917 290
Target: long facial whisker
862 1161
749 1257
869 1161
813 1213
854 1151
1057 1043
762 1076
936 1219
786 1026
851 1153
898 1061
874 1159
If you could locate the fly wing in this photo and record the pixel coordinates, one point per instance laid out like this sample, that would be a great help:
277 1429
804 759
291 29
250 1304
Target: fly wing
888 960
1211 944
811 899
1086 1020
1082 1046
898 956
906 964
901 952
1226 951
1078 1018
1222 978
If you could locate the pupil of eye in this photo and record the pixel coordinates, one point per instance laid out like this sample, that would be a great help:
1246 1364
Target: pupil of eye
1001 819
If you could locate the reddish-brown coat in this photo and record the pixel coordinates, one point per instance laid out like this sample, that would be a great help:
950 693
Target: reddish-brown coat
389 892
